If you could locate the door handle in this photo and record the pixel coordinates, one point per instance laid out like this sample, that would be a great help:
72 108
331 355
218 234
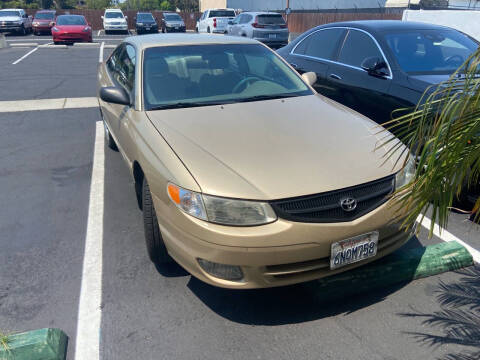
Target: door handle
335 76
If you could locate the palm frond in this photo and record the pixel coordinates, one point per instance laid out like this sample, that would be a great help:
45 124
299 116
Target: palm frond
442 132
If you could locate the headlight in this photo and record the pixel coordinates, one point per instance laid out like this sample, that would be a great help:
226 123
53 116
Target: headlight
220 210
86 29
35 23
405 175
140 24
55 28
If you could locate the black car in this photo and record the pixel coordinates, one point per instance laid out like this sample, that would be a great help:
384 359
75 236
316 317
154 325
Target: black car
172 22
145 23
375 67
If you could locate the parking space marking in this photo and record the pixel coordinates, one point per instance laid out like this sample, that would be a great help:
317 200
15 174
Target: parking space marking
100 55
23 44
447 236
23 57
48 104
90 309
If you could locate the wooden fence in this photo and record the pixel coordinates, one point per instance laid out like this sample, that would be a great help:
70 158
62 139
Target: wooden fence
297 22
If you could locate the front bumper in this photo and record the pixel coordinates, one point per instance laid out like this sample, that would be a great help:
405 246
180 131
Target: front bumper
42 27
173 29
123 27
143 29
10 28
72 37
277 254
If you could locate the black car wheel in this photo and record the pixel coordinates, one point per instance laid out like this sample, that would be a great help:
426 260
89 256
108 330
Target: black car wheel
108 138
157 251
208 29
23 31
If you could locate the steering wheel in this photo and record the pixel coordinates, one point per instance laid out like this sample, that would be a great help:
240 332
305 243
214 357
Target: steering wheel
244 81
455 59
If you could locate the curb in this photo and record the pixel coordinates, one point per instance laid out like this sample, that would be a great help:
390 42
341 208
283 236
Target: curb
42 344
3 41
400 267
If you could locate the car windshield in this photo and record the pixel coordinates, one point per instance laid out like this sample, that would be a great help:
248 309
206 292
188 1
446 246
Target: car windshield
114 15
200 75
44 16
430 51
221 13
144 17
71 20
9 13
172 17
271 20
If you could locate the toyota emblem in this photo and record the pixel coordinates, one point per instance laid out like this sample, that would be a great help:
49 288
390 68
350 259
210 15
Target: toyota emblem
348 204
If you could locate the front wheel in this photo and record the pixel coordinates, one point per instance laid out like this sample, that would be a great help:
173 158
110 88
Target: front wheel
157 251
23 31
208 29
108 138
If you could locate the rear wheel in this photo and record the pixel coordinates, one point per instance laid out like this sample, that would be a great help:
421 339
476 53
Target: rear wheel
156 248
208 29
23 31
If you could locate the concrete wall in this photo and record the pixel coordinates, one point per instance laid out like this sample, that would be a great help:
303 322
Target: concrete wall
259 5
465 21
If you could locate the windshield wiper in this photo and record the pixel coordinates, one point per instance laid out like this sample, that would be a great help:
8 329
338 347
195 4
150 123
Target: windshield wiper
180 105
267 97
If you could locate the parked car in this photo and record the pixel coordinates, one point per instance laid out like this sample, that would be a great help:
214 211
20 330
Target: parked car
114 20
375 67
246 176
70 29
215 20
43 21
145 23
15 20
269 28
172 22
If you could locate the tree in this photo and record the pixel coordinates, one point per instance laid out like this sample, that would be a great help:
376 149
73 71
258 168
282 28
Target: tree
165 5
443 133
98 4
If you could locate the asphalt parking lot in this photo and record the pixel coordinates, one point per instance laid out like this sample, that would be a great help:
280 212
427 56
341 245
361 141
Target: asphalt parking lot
46 162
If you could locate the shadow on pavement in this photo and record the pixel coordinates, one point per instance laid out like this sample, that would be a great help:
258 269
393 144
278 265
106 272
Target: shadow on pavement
459 317
297 303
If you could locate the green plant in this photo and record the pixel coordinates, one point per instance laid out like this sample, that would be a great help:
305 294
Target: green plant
443 134
4 341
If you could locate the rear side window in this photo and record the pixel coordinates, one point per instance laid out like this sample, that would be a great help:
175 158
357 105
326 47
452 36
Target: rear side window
357 47
221 13
271 20
246 19
322 44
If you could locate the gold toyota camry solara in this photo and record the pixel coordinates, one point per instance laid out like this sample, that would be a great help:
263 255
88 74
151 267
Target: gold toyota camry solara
246 176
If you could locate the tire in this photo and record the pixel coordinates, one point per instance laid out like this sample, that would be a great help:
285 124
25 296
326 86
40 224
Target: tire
196 29
163 31
56 43
208 30
157 251
23 31
108 138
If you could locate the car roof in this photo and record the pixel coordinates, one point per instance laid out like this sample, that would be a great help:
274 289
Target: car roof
222 9
113 10
154 40
261 13
70 15
11 9
45 11
386 25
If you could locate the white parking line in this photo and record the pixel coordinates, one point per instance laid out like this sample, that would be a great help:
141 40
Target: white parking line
48 104
447 236
23 57
89 309
100 55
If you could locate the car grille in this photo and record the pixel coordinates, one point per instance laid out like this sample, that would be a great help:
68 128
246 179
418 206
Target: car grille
326 208
7 22
116 23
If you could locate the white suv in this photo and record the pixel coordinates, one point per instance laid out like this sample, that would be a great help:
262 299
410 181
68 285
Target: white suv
114 20
215 20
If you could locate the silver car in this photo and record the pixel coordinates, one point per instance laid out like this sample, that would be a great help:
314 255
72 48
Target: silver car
267 27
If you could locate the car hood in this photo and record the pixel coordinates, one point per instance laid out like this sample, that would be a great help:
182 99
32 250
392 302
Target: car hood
274 149
114 20
175 23
71 28
43 21
10 18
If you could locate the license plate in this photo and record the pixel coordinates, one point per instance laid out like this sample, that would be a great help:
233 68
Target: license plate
147 28
176 27
352 250
272 36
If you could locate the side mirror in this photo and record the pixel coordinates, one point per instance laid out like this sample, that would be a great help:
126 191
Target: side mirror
101 17
52 24
310 78
230 22
126 17
374 66
114 95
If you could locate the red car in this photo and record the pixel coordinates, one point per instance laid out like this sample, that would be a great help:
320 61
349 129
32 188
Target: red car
70 29
43 21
